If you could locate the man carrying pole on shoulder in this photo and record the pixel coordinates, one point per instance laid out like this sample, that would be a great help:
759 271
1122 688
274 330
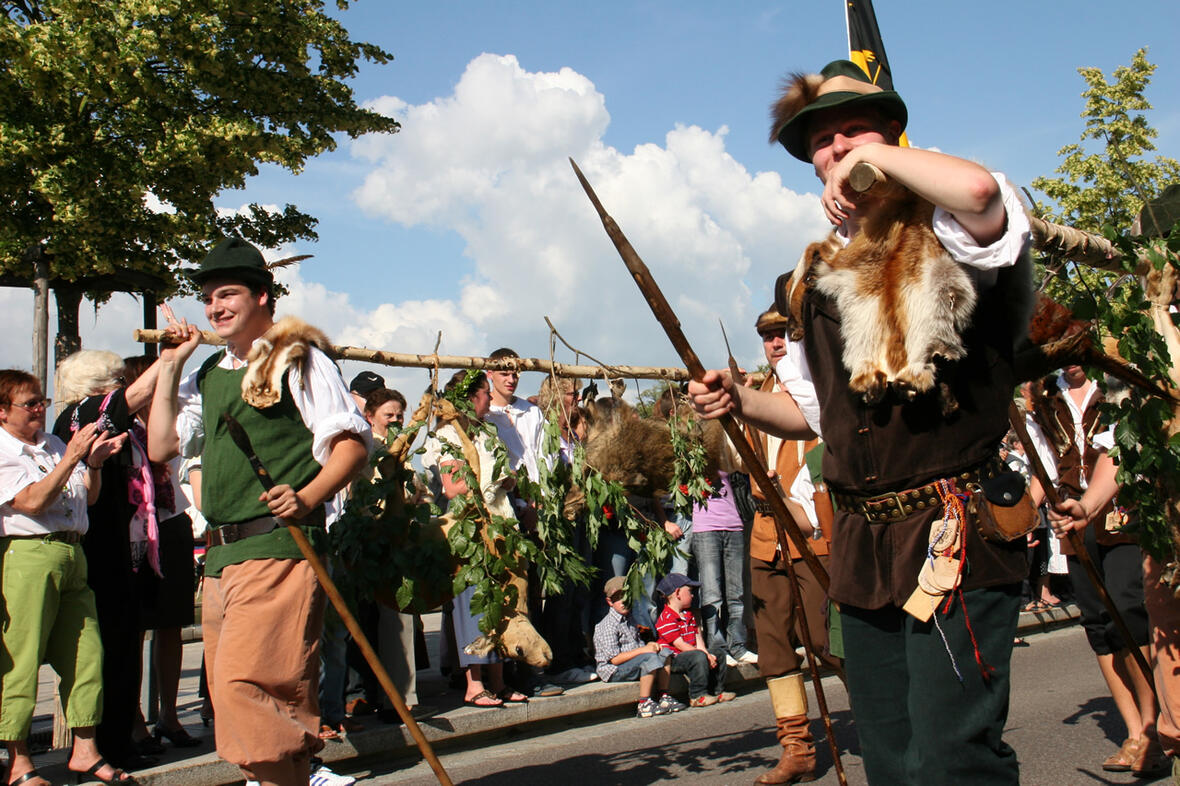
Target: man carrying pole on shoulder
264 608
929 696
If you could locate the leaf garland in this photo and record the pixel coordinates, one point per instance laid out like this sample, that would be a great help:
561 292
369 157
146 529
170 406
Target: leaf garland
690 482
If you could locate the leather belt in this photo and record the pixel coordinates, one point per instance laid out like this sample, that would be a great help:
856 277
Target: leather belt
221 534
70 537
763 507
898 505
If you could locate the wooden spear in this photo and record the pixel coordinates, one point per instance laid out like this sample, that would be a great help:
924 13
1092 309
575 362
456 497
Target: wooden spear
785 526
406 360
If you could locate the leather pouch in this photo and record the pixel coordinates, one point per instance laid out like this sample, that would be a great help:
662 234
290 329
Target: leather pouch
1002 508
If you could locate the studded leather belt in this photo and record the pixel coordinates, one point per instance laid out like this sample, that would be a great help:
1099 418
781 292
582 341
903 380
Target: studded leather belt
220 535
763 507
895 506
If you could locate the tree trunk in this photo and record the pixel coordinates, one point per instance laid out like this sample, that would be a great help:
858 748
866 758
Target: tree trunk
40 316
69 299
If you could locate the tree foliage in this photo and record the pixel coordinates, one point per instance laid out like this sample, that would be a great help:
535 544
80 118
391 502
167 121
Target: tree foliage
1103 189
107 106
1106 183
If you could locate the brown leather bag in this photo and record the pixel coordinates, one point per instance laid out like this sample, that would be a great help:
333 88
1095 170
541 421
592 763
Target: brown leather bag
1002 507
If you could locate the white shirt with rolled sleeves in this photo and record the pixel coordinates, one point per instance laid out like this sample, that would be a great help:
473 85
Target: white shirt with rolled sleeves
792 369
521 426
22 465
322 399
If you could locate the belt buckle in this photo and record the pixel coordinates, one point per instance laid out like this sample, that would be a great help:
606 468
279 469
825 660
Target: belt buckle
884 500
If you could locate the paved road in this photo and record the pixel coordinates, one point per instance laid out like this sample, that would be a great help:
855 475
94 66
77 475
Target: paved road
1062 725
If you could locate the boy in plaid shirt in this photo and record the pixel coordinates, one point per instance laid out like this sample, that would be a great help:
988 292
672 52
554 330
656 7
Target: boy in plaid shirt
677 630
622 655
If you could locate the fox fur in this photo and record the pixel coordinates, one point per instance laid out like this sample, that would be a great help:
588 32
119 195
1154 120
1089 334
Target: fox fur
798 91
288 342
903 300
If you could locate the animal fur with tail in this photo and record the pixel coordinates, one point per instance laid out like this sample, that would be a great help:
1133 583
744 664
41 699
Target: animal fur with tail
903 301
288 342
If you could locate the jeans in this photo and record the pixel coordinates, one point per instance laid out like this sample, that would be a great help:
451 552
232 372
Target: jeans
684 544
720 567
694 665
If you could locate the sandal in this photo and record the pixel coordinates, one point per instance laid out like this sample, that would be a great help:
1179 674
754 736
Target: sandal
489 700
28 776
92 774
178 737
510 696
1036 606
328 733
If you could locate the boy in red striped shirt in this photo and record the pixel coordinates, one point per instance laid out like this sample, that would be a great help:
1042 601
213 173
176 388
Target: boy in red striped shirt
677 630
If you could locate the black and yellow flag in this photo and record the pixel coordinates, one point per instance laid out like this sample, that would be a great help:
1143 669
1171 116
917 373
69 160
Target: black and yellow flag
865 47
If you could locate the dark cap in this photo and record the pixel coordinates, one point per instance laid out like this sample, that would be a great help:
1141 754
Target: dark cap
366 382
235 259
841 83
673 582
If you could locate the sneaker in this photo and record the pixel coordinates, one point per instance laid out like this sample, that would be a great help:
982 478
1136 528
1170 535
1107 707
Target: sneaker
704 700
730 660
726 695
647 708
325 777
748 657
575 676
668 703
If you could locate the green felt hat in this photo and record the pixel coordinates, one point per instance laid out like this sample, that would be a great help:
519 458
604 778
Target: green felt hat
236 259
841 83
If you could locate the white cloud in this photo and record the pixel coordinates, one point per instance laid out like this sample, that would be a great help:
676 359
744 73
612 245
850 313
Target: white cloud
489 162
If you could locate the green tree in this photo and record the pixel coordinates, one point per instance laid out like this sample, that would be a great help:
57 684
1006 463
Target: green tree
105 106
1104 189
1106 184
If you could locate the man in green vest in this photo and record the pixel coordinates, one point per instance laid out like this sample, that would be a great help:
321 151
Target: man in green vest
263 608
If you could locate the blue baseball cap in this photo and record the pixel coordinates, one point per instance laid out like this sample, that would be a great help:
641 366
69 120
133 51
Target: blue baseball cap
673 582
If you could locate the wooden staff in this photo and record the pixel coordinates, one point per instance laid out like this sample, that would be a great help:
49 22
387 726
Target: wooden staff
407 360
1016 418
783 521
242 440
1057 239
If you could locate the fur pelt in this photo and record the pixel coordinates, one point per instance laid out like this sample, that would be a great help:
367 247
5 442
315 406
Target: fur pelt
288 342
903 301
798 91
637 452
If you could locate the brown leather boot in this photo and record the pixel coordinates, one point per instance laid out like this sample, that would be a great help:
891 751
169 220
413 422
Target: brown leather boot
797 764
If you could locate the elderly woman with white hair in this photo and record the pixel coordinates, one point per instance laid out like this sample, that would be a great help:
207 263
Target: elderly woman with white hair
122 538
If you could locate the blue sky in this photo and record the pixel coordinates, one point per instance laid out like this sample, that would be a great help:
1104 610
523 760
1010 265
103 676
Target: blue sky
470 221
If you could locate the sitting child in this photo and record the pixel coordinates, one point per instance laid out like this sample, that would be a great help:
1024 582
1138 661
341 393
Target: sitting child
677 630
622 656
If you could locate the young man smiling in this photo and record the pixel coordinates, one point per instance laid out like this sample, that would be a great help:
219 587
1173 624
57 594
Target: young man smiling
929 704
263 606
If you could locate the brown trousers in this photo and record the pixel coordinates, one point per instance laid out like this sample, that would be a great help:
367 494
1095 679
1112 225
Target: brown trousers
1163 609
262 622
776 620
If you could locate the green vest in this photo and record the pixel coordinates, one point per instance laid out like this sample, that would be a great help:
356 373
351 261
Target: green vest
229 487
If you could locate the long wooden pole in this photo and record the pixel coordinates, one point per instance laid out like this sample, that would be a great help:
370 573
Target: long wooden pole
784 523
407 360
667 318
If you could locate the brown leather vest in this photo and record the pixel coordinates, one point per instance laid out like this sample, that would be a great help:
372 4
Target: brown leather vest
763 536
898 445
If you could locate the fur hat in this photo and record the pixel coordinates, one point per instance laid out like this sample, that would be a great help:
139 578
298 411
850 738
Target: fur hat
770 319
840 83
234 258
